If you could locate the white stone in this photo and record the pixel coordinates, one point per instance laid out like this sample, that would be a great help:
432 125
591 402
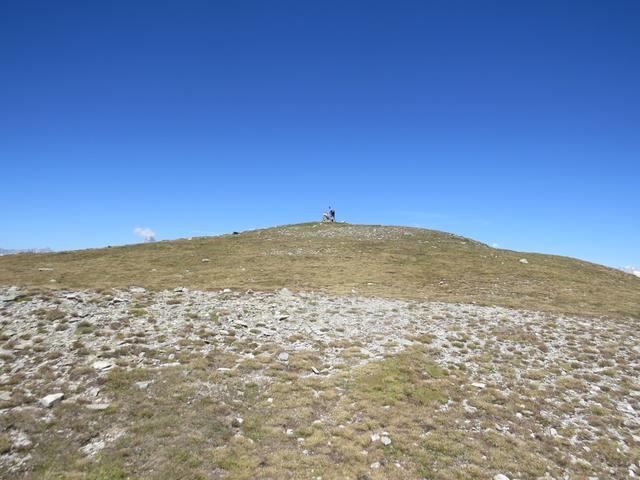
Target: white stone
102 365
5 396
93 392
500 476
98 406
478 385
283 357
375 465
375 437
20 441
6 354
22 345
51 399
524 260
142 385
385 440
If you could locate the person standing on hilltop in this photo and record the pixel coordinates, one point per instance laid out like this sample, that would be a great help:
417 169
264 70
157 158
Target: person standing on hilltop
329 216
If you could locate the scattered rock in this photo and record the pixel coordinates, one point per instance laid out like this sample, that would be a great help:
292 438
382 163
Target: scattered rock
283 357
478 385
143 385
500 476
20 441
205 260
5 396
315 370
98 406
6 354
51 399
10 295
385 440
102 365
524 260
375 465
23 345
375 437
93 392
137 290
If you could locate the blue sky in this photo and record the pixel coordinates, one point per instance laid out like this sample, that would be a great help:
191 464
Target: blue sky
515 123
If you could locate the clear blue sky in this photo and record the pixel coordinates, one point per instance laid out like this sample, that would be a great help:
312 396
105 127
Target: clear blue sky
514 122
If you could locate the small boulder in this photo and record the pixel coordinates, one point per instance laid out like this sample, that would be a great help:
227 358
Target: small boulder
21 441
102 365
24 345
385 440
10 296
93 392
524 260
51 399
6 354
283 357
500 476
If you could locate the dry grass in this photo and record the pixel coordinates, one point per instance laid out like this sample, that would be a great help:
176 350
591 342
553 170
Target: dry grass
338 258
299 426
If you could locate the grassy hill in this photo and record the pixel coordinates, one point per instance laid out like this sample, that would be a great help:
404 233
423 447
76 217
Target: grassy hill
369 260
316 351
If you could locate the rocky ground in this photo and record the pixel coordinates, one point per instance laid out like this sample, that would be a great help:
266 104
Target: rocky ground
563 387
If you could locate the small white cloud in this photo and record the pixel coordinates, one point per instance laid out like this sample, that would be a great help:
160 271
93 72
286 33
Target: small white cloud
495 245
632 270
146 233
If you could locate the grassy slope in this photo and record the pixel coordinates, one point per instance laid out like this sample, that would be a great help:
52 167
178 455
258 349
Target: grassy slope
372 260
181 428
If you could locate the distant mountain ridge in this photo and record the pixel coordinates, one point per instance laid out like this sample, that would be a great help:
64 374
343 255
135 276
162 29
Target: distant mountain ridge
8 251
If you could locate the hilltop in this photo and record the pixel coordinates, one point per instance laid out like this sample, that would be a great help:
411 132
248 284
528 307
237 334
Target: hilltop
393 262
311 351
